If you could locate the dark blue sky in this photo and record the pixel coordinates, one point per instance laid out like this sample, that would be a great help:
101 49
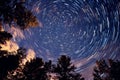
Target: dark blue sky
82 29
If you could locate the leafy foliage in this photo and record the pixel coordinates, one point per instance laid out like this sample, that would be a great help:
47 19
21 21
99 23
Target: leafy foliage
24 17
14 11
104 71
4 36
7 63
66 69
35 70
17 73
114 69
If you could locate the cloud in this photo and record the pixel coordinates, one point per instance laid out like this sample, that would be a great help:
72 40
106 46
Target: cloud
10 46
30 56
16 33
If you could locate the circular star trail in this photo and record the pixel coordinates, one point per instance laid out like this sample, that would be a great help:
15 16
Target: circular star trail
82 29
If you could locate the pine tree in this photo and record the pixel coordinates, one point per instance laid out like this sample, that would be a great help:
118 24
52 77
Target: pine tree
66 70
107 71
114 69
14 11
96 74
7 63
35 70
18 74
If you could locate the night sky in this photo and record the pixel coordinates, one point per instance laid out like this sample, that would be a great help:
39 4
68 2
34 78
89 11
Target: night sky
86 30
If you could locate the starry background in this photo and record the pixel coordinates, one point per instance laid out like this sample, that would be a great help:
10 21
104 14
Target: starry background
85 30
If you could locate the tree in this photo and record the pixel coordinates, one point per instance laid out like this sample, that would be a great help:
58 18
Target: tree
66 70
114 69
4 36
104 71
24 17
14 11
101 71
7 63
96 74
17 74
35 70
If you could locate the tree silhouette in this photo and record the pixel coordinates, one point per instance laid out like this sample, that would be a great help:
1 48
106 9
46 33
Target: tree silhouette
24 17
14 11
101 71
35 70
114 69
66 70
104 71
96 74
18 74
4 36
7 63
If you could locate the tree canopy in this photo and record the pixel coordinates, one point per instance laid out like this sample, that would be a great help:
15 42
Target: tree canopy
15 12
107 71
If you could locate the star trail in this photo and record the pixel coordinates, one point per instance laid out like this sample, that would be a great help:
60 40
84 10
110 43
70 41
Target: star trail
82 29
